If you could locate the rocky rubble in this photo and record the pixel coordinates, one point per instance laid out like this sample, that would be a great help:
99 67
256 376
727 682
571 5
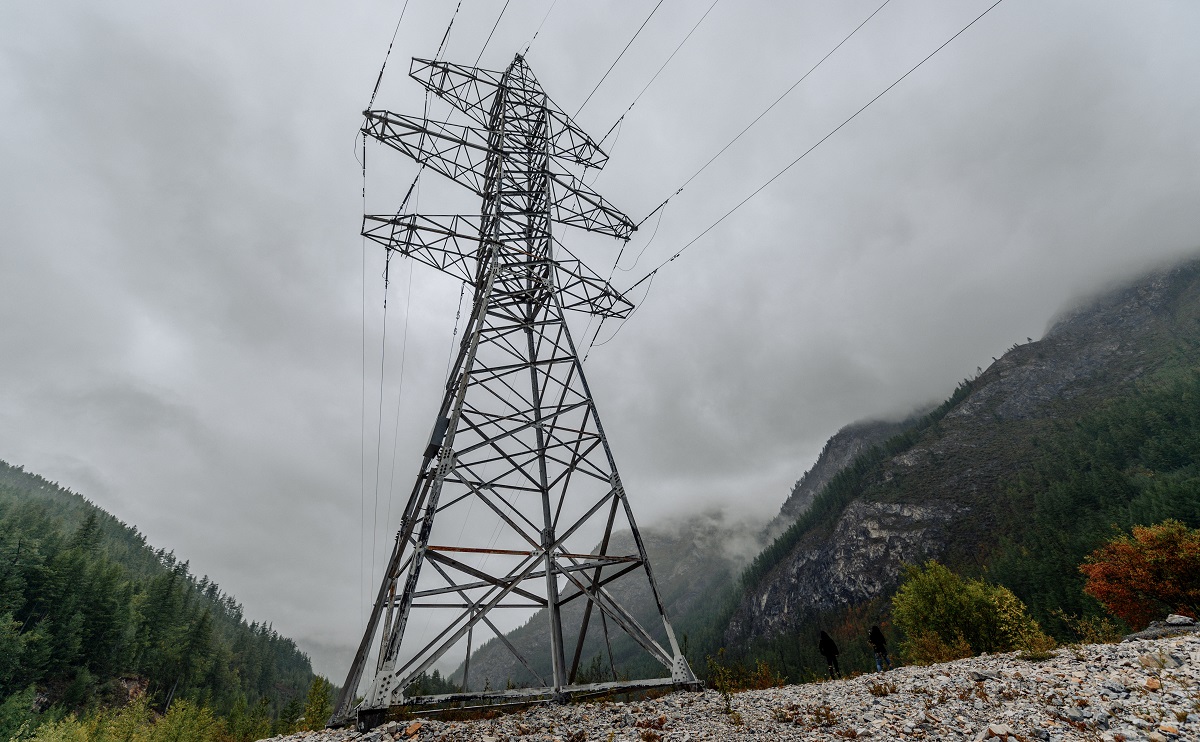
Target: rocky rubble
1142 689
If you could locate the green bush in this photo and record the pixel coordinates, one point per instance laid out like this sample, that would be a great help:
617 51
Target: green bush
63 730
944 617
183 722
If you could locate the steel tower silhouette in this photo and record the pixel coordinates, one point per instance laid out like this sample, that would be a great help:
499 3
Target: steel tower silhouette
518 496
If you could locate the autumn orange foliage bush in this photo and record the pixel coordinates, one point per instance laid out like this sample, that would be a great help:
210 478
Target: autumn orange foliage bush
1147 575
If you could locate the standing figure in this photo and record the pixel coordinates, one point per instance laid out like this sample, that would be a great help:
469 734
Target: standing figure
830 651
879 643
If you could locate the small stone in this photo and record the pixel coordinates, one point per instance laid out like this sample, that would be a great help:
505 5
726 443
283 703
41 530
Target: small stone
1177 620
1156 737
1166 728
412 729
1159 660
1152 683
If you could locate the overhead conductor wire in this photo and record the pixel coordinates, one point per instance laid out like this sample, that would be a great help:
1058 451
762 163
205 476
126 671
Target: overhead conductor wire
659 209
650 276
659 72
617 125
768 109
383 353
490 33
363 478
618 59
539 28
387 265
383 66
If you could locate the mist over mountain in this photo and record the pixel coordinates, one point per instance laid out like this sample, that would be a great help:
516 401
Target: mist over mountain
1016 476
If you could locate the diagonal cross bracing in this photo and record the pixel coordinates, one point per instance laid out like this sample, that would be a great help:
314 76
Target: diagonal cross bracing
518 484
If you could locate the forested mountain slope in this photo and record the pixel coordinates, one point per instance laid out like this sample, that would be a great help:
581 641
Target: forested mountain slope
1017 476
89 611
846 445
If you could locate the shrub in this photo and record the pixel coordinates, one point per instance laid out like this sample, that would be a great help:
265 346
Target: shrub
183 722
1147 575
1092 629
927 647
64 730
944 617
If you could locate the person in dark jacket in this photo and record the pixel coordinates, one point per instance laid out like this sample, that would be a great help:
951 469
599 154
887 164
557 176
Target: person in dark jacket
879 643
830 651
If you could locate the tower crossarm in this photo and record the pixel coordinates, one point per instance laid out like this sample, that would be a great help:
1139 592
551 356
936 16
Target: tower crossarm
577 205
472 91
469 89
582 290
458 152
447 243
450 243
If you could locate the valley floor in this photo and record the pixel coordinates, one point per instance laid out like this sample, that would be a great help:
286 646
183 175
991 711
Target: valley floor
1136 690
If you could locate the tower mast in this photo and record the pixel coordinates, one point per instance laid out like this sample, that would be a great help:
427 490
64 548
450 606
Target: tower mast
518 483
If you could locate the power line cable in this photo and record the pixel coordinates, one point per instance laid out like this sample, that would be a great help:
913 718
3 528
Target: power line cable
621 326
790 165
765 112
387 521
362 466
659 72
442 46
489 38
617 267
383 66
645 247
618 59
387 266
539 28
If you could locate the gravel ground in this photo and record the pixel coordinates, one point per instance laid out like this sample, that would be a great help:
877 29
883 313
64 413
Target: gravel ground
1146 689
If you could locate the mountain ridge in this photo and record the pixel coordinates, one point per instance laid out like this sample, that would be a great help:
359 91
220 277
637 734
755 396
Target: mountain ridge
950 488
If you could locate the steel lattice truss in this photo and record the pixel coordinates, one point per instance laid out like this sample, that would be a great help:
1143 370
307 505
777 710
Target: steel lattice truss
518 484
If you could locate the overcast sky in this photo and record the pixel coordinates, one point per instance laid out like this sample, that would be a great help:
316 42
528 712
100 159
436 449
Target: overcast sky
182 284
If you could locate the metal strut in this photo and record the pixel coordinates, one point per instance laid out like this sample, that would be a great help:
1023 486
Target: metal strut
518 494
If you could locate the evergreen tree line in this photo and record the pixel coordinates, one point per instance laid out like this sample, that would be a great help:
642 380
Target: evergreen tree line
1131 462
91 616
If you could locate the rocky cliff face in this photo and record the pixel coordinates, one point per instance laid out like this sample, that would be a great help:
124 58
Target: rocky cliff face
846 445
941 489
870 543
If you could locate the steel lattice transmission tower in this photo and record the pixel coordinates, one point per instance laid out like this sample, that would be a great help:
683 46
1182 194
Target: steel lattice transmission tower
518 483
